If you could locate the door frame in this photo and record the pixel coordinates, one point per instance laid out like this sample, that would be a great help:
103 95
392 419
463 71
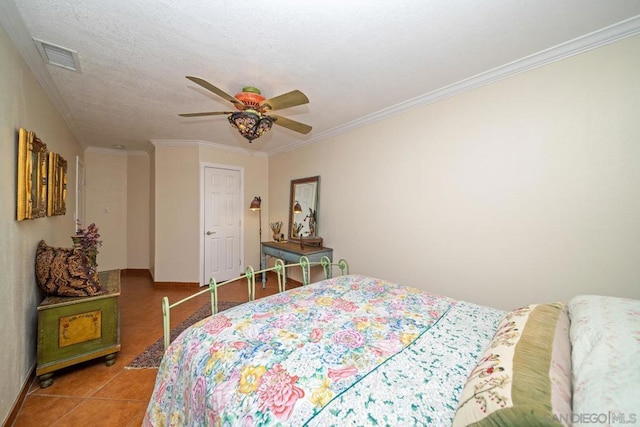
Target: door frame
79 214
203 165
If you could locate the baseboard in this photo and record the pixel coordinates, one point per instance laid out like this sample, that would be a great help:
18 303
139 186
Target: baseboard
197 285
15 410
177 284
147 273
143 272
136 272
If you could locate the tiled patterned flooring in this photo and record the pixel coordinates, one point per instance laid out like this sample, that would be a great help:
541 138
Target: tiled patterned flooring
93 394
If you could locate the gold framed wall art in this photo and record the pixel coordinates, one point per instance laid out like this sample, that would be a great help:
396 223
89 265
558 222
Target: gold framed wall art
32 176
57 185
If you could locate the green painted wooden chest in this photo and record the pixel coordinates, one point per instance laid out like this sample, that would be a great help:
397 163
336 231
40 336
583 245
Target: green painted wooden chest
72 330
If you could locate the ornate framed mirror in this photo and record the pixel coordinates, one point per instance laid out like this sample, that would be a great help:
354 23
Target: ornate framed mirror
57 185
303 208
32 176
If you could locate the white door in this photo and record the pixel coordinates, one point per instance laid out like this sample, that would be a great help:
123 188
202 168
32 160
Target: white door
221 224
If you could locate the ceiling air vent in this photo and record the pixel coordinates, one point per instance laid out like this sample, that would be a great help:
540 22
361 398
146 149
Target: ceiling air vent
58 56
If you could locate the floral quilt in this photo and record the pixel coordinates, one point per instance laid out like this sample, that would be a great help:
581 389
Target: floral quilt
352 349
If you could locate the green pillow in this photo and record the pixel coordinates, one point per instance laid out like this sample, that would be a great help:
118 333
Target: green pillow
524 376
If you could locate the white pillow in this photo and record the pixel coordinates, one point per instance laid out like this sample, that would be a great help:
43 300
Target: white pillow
605 336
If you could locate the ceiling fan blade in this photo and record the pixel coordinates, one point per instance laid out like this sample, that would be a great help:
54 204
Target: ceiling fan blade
291 124
205 84
210 113
289 99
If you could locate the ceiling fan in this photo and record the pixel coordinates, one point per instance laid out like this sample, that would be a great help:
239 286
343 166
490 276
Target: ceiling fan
252 120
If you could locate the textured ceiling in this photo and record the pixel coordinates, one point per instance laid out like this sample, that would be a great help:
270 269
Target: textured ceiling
353 59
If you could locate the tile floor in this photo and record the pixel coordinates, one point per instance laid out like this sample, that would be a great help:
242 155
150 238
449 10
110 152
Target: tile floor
93 394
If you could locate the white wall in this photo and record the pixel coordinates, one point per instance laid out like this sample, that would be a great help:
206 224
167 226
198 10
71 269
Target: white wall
526 190
23 103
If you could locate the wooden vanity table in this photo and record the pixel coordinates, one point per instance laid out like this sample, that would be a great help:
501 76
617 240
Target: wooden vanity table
303 229
290 252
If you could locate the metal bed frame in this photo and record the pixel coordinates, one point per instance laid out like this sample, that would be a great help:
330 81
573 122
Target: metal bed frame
250 276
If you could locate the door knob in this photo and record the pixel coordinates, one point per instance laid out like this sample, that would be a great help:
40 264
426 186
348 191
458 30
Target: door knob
209 233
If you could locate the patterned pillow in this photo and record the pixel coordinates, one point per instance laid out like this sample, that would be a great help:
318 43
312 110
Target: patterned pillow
65 272
524 376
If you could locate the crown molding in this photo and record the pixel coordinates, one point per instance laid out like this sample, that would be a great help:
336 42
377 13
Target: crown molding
137 153
594 40
205 144
117 152
175 143
110 151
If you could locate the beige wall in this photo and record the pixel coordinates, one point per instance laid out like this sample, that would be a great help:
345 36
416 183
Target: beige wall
256 171
106 204
526 190
138 187
23 103
177 206
117 201
176 214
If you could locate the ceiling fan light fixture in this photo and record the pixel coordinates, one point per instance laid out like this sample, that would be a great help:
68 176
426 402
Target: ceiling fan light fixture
250 123
250 97
252 120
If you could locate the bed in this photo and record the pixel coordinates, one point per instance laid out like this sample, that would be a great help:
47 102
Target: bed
356 350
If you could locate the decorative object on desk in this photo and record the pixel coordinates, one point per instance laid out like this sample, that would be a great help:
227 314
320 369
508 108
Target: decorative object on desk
311 241
32 176
255 206
88 240
276 227
303 208
295 231
311 216
65 272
